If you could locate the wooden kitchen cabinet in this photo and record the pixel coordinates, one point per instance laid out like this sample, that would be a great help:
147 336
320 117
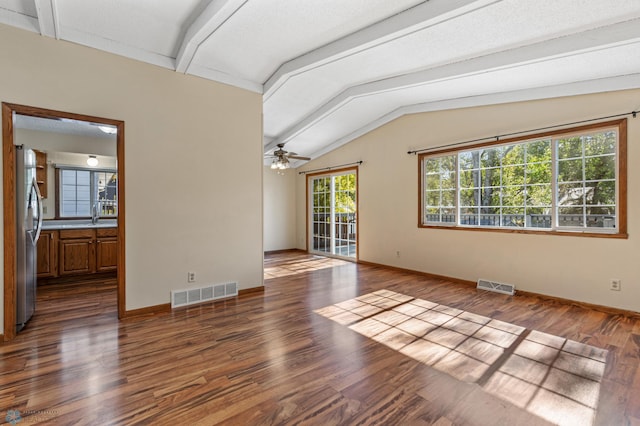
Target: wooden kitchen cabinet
41 172
47 254
76 251
106 249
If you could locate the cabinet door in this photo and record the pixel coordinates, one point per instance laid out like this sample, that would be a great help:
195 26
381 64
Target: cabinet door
77 256
106 254
47 254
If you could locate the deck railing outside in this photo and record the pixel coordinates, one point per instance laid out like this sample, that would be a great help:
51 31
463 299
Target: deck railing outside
529 221
345 226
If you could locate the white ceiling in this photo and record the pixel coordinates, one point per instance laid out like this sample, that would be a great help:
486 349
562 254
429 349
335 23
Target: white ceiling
64 126
332 70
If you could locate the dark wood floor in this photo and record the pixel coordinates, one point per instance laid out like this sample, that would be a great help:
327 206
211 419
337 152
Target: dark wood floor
306 351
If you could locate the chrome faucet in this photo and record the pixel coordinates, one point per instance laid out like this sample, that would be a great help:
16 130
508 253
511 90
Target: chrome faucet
94 213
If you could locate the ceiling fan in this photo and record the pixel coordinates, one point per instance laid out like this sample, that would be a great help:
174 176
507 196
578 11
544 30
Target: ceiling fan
281 158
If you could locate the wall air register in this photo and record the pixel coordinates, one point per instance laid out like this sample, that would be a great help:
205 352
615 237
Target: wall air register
209 293
496 287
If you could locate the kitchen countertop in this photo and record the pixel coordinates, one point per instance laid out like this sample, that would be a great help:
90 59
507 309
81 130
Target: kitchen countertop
48 225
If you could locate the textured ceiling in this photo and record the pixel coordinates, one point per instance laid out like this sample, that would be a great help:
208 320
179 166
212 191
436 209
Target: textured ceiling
332 70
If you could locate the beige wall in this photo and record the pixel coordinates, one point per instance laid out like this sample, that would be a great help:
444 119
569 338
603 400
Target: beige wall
279 210
60 142
569 267
188 208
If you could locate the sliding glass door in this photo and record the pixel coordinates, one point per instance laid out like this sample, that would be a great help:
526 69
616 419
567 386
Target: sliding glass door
333 214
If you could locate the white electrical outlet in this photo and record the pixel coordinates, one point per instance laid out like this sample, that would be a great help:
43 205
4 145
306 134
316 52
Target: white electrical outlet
191 277
615 284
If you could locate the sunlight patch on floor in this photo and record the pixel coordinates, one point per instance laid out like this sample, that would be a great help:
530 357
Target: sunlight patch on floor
302 266
552 377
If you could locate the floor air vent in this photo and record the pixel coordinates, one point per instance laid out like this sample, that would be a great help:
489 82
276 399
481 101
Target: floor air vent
192 296
497 287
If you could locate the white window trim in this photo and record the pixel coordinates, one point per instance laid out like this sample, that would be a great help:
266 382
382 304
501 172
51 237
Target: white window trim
60 167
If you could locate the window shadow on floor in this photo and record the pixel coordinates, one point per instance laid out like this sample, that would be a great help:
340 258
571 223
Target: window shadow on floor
552 377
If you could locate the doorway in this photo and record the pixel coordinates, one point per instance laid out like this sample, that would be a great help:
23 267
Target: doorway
9 112
332 219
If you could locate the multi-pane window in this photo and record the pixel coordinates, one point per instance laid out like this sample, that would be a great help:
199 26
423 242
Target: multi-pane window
567 181
587 180
75 193
83 190
440 189
506 185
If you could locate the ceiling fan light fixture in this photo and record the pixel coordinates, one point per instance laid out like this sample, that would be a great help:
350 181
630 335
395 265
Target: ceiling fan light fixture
280 163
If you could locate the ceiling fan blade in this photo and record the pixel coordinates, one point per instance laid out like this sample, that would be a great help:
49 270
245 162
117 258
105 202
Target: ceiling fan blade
298 157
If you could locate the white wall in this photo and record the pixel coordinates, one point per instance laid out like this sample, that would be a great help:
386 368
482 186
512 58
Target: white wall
279 210
570 267
187 207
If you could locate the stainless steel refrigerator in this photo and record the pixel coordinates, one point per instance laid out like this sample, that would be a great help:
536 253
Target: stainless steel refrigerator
28 226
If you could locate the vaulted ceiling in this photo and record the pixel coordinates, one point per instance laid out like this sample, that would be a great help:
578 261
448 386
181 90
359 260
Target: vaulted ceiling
332 70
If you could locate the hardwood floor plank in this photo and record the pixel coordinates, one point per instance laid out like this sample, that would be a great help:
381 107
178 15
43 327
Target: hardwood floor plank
328 342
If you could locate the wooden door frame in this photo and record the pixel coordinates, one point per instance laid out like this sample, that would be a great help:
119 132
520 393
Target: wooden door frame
9 199
309 177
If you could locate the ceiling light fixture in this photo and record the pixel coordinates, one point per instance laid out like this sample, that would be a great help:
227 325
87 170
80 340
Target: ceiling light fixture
280 163
108 129
92 161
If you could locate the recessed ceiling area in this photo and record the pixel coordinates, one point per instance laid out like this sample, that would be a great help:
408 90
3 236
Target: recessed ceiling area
332 70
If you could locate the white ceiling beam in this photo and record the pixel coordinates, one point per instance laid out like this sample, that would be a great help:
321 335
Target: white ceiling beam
225 78
118 48
625 82
18 20
213 16
47 18
599 38
424 15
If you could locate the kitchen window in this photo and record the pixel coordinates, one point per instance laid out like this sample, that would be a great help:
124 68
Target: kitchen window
81 190
572 181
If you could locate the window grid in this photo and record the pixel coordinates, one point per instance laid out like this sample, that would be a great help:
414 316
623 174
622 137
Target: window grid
587 219
505 212
446 211
75 196
81 190
534 204
334 224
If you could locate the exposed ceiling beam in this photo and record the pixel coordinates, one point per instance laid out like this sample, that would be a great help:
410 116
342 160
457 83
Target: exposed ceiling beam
625 82
47 18
621 33
214 15
419 17
19 20
226 78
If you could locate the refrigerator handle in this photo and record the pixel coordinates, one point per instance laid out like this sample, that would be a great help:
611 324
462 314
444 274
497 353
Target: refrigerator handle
40 210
